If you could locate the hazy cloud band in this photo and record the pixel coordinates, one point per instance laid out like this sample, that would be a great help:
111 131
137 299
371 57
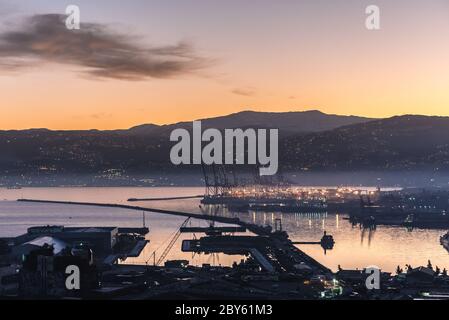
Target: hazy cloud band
99 51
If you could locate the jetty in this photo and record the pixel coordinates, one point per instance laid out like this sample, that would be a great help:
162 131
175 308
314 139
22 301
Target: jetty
164 199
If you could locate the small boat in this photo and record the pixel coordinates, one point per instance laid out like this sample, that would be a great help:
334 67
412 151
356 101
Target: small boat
327 241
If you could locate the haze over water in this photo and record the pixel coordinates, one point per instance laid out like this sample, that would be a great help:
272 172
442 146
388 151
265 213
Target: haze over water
386 247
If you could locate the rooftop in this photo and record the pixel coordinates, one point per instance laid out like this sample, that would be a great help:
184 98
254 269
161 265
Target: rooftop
91 229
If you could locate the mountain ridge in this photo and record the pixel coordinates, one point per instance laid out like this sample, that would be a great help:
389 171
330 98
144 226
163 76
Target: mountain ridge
313 120
409 142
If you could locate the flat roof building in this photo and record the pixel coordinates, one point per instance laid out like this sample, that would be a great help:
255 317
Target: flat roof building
100 239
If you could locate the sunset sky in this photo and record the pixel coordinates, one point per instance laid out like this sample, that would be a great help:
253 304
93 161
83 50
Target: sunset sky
163 61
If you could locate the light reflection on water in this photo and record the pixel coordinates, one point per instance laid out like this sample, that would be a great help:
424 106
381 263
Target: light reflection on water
385 247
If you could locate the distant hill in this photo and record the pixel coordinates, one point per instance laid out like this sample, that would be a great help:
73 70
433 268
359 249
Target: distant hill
286 122
403 142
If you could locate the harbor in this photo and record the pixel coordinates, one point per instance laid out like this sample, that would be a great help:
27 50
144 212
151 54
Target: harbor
270 255
248 255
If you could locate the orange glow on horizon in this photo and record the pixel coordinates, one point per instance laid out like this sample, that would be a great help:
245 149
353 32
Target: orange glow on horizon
68 102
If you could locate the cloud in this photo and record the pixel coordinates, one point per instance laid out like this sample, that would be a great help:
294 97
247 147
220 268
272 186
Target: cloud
100 52
247 92
96 116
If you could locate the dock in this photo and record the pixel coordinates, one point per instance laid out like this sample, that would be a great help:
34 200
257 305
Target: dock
164 199
275 253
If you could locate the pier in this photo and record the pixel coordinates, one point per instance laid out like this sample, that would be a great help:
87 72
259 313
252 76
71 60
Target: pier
139 208
164 199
